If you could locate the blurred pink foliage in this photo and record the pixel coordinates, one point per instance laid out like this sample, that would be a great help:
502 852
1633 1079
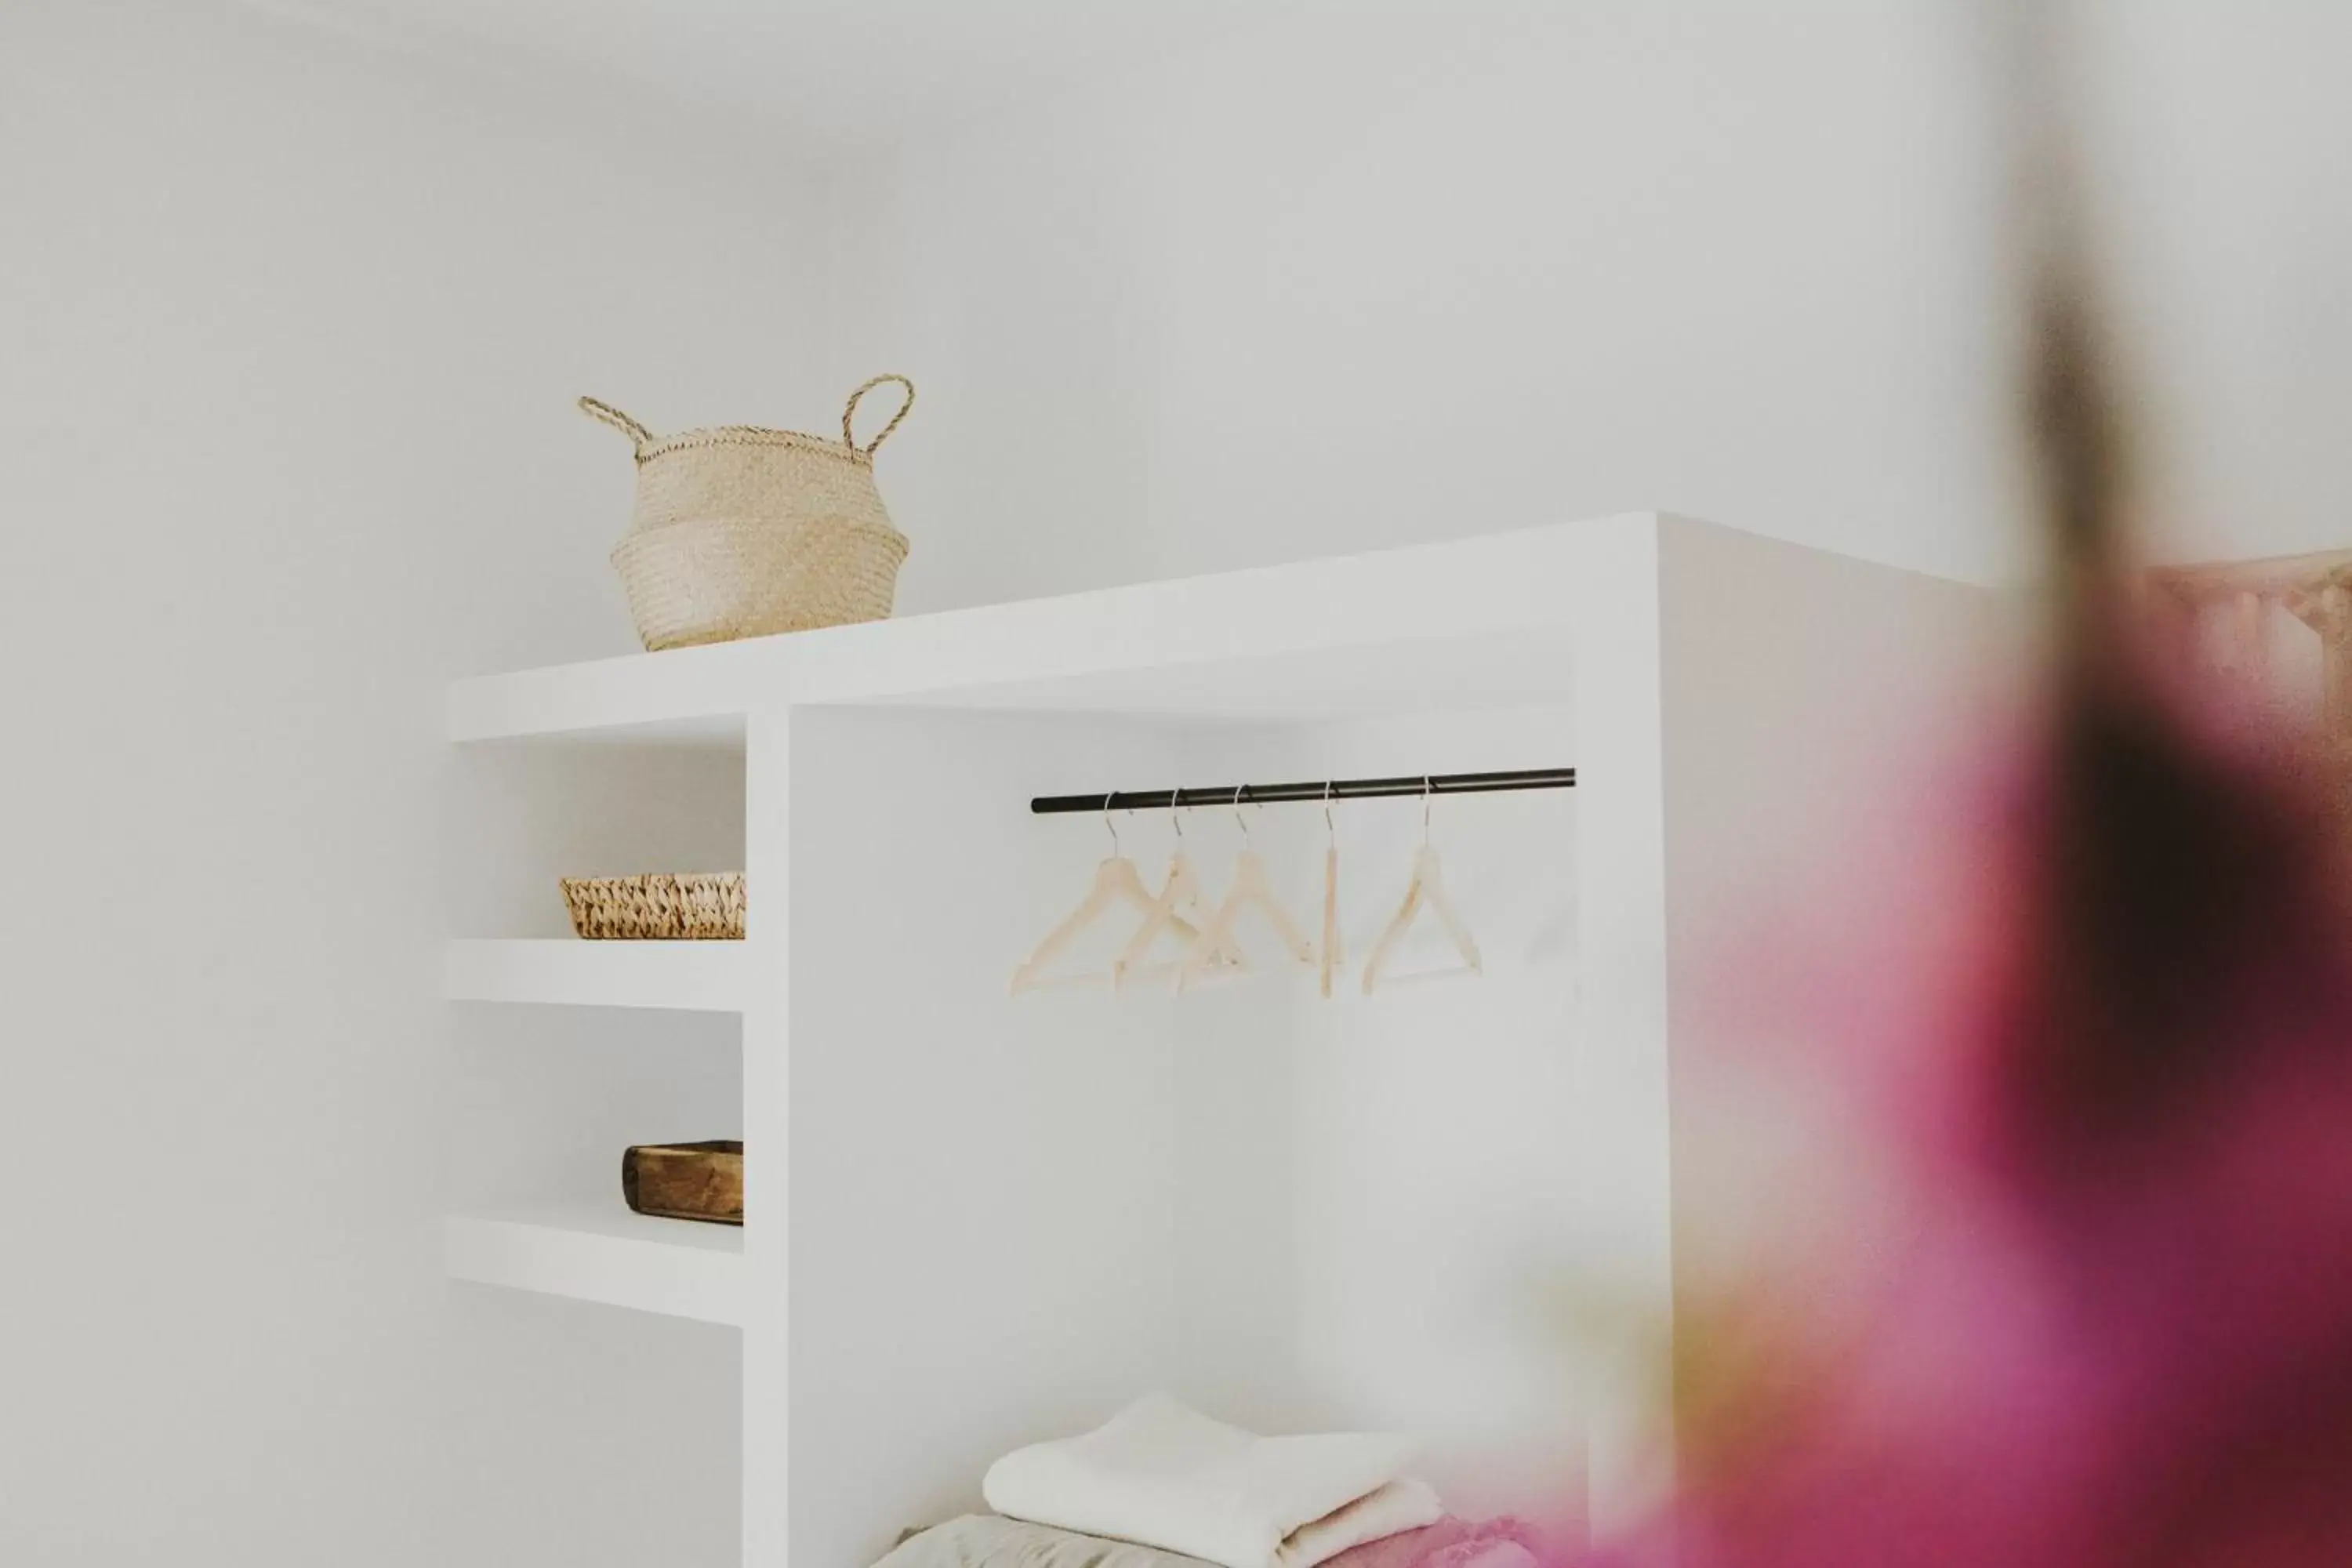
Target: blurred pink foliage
2117 1076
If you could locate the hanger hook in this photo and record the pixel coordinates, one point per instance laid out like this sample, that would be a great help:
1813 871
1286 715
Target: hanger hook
1237 814
1330 829
1428 790
1111 825
1176 816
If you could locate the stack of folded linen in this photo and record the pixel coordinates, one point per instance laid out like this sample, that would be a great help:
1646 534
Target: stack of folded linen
990 1541
1161 1474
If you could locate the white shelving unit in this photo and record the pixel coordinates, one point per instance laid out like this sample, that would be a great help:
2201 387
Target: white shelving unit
972 1219
593 1252
695 977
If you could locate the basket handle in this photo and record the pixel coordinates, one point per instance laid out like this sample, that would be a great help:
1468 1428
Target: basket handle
609 414
849 440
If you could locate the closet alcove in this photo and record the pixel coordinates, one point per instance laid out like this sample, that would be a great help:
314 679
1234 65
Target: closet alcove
975 1219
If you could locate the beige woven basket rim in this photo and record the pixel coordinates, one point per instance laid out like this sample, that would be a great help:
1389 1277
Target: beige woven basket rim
750 435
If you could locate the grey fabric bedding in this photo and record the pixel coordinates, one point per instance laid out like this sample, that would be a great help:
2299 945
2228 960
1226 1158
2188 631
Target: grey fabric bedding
986 1541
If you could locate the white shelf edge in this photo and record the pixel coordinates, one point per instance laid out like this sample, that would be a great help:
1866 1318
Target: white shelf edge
694 976
674 1267
1498 584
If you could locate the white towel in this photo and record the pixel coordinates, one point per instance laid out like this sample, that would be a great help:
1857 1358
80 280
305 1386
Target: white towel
1163 1473
1399 1506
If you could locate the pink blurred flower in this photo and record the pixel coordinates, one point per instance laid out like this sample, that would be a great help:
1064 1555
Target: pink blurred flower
2118 1087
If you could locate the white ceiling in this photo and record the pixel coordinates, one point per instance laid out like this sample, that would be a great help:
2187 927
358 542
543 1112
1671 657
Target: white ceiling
837 75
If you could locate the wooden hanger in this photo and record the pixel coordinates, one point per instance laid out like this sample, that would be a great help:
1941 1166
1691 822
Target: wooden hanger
1179 895
1117 882
1332 957
1425 890
1250 890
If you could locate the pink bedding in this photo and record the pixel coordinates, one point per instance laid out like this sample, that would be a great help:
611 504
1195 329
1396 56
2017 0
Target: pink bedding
1451 1542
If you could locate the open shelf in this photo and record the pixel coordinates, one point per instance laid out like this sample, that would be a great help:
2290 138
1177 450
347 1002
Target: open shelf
1481 622
593 1252
695 977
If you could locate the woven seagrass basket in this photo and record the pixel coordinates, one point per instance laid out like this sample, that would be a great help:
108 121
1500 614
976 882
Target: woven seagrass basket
658 909
741 532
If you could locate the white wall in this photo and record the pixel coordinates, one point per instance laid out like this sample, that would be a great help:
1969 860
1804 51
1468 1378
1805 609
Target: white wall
1366 274
2221 132
288 333
1422 1141
1372 274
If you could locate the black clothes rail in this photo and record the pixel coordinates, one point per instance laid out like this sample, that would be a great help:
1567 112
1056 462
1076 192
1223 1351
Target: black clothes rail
1313 791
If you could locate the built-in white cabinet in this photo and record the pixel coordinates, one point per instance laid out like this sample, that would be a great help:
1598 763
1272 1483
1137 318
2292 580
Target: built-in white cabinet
977 1219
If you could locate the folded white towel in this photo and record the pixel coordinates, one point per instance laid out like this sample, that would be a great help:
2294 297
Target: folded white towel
1397 1507
1161 1473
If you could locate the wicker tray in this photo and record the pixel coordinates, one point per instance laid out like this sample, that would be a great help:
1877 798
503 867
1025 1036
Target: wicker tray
701 907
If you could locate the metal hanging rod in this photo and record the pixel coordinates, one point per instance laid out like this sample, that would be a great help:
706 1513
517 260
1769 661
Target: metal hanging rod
1312 790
